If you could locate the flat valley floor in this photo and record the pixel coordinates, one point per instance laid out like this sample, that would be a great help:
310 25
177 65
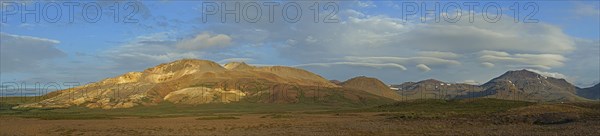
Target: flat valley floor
413 117
372 123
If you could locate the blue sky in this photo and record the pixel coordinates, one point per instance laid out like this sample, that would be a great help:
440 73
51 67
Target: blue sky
369 38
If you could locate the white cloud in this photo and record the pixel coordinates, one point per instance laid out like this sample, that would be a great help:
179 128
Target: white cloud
550 74
310 39
487 64
27 26
545 61
167 56
583 65
352 13
373 65
147 50
365 4
22 53
473 37
589 9
246 60
493 53
204 40
529 67
23 38
551 60
438 54
404 60
380 23
423 67
380 35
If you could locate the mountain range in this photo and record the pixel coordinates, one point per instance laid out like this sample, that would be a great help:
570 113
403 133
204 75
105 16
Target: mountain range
522 85
192 81
590 92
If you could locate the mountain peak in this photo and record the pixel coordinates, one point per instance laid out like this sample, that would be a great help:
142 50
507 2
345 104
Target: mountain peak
371 85
186 64
430 81
521 74
363 81
533 84
237 66
191 61
362 77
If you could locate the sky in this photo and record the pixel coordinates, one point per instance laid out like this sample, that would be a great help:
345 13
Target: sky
395 41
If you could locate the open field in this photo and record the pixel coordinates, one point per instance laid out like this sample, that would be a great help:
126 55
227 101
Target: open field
417 117
292 124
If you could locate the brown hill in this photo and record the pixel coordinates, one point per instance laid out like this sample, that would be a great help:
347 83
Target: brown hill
590 92
191 81
297 76
530 86
370 85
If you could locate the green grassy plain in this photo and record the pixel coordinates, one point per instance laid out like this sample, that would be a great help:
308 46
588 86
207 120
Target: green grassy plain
164 109
482 116
420 108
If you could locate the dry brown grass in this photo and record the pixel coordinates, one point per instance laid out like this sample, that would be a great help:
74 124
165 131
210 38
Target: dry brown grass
293 124
422 117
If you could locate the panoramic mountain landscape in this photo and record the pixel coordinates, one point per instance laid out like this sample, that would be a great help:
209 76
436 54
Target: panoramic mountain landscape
235 90
193 82
297 67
